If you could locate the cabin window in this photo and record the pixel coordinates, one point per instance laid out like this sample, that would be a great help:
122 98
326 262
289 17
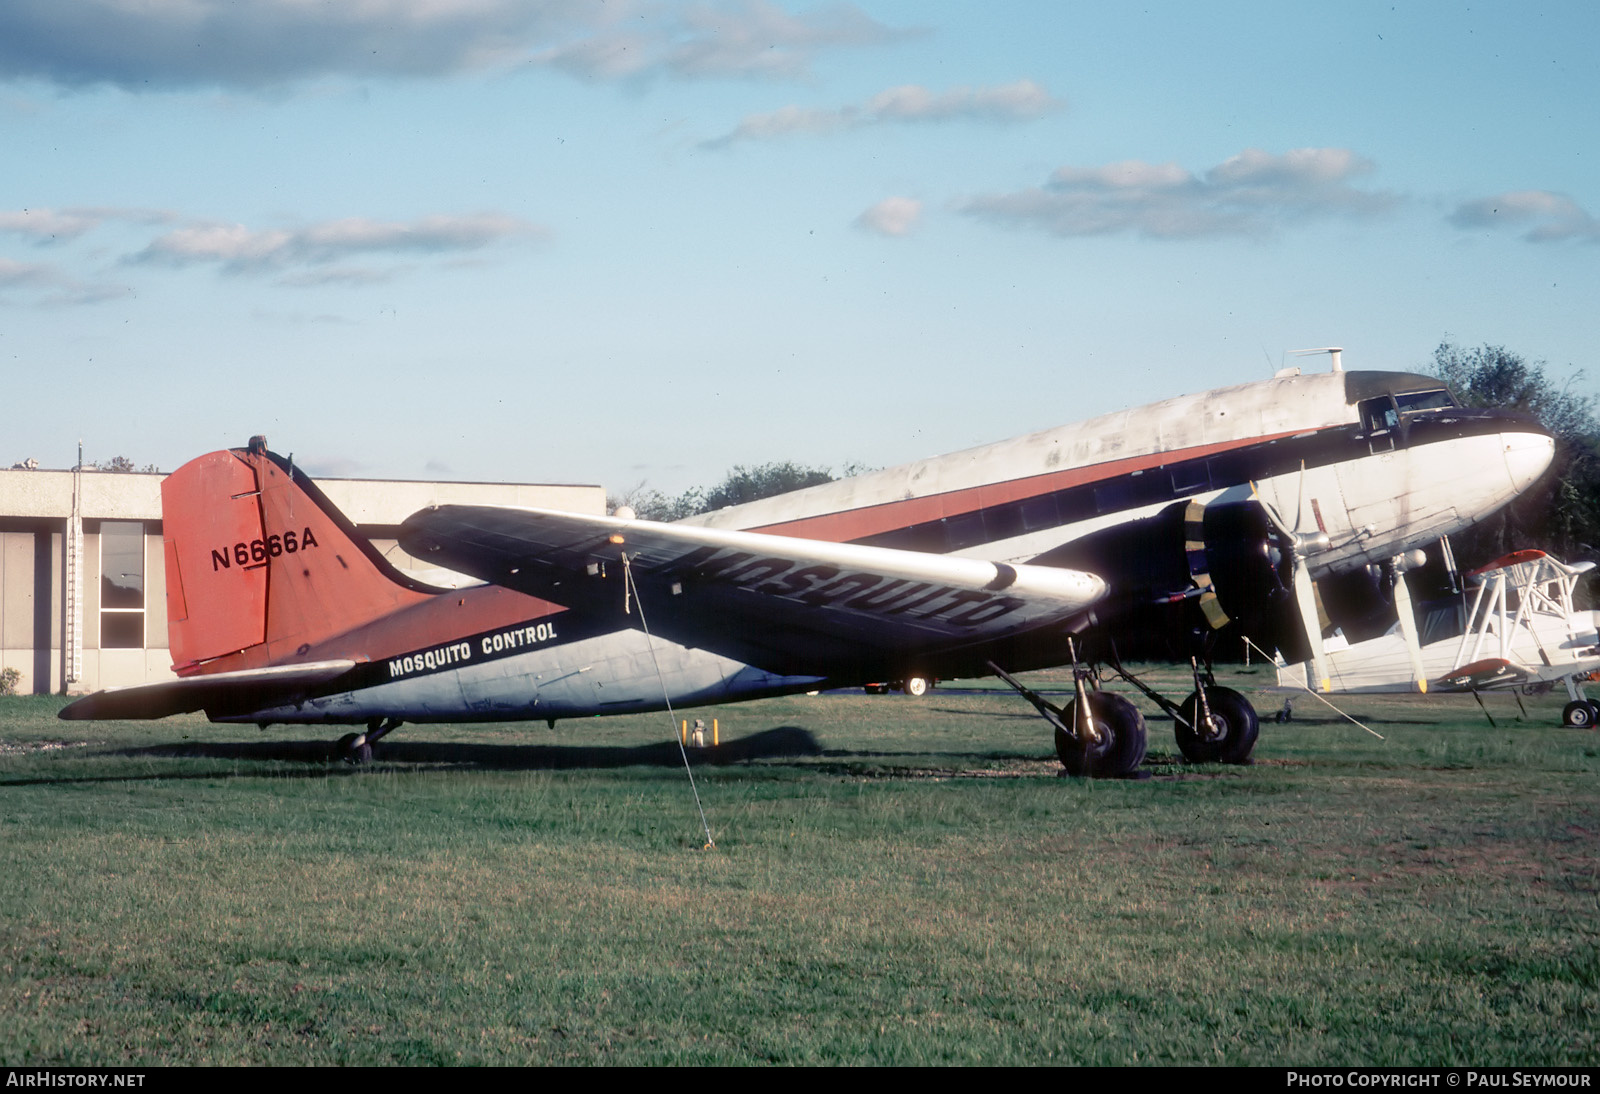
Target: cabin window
1113 496
1190 477
1003 521
121 585
963 531
1038 513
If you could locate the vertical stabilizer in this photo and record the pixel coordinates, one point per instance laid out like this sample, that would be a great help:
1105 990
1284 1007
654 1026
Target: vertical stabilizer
261 568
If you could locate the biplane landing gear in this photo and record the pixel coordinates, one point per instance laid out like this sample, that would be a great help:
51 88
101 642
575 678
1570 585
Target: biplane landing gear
1217 725
1580 714
356 748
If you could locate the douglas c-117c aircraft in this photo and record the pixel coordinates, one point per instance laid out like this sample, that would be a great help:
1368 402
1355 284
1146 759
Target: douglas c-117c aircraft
1166 524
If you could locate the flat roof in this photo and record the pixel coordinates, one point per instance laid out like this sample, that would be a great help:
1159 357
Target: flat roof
136 495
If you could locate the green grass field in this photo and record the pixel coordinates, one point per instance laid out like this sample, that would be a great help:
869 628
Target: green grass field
894 881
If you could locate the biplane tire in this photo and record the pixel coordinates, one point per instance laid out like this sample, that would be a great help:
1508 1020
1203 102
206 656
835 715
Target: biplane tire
917 686
1579 714
1236 723
347 750
1122 739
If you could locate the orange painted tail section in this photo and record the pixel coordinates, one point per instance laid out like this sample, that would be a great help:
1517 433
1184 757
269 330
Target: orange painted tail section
261 568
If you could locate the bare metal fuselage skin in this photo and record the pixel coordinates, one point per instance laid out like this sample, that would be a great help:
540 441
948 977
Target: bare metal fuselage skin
1318 448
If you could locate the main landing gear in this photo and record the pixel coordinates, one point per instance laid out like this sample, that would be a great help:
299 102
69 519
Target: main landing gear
1103 735
356 748
1216 725
1097 734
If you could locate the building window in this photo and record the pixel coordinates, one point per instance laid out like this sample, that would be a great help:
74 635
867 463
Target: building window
121 585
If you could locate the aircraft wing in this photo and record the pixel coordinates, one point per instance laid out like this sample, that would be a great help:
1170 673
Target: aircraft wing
781 603
218 694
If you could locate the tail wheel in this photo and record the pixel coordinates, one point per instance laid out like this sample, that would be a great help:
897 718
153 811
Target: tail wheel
1580 714
353 748
918 685
1122 739
1234 723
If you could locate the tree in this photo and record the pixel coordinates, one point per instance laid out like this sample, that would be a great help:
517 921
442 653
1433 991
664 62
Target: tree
740 485
765 481
122 465
1561 513
648 503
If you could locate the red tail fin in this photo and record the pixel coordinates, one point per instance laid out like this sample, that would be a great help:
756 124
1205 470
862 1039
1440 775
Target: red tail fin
261 567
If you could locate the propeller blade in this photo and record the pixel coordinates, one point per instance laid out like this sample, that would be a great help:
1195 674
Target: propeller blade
1306 597
1408 625
1272 515
1300 502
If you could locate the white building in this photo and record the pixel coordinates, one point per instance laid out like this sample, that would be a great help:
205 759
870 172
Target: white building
82 578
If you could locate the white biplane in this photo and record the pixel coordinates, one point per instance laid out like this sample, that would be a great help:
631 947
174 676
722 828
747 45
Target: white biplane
1520 632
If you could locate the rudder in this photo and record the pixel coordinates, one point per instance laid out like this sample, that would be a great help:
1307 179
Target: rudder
261 567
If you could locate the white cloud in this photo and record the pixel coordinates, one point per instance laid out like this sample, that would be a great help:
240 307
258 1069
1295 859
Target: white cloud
45 284
746 38
1551 218
895 216
1023 100
14 274
239 249
1017 101
144 44
1251 193
46 225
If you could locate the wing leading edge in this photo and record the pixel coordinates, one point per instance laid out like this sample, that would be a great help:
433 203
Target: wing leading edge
784 604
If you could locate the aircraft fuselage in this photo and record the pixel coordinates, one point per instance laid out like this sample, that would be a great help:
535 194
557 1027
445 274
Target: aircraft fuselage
1367 464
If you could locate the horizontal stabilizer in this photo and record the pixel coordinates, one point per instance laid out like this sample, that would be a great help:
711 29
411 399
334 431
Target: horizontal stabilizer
220 693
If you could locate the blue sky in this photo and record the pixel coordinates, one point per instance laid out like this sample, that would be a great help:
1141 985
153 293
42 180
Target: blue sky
645 241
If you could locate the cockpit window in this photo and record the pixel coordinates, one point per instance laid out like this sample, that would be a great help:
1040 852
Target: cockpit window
1378 415
1413 401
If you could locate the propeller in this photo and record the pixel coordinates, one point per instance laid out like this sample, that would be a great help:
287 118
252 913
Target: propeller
1301 545
1408 618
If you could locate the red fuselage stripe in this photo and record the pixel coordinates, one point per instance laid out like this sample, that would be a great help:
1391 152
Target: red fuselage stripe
852 524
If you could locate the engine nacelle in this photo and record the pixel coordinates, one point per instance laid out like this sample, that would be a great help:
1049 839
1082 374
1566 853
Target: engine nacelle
1190 576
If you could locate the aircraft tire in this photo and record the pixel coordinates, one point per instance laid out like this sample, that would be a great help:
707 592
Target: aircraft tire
1122 743
917 686
1579 714
1236 722
347 750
